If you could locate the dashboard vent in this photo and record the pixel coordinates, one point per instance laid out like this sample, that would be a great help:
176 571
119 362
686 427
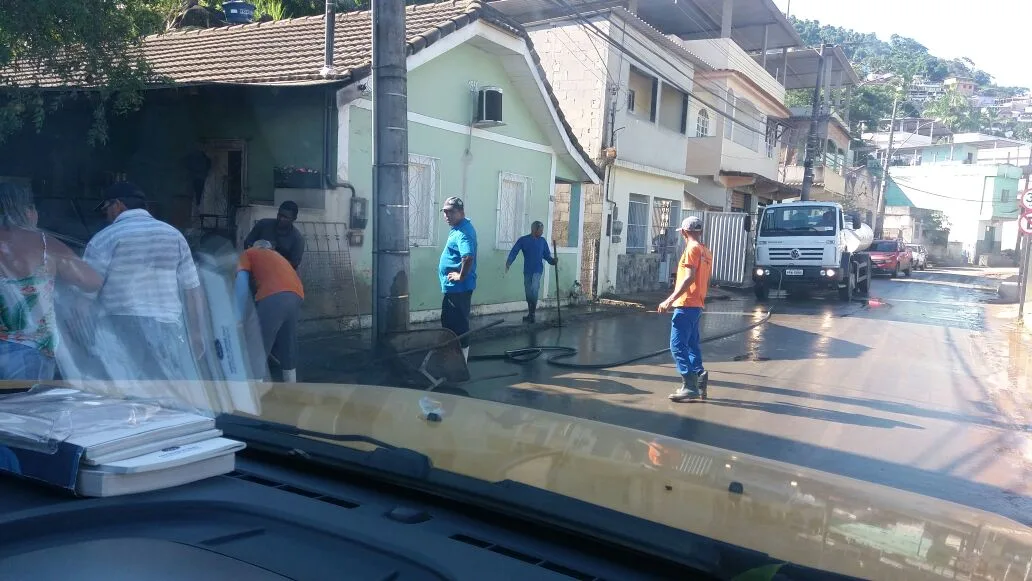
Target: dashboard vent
521 556
293 489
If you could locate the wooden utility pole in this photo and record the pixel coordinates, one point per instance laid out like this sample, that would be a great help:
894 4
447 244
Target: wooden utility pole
390 171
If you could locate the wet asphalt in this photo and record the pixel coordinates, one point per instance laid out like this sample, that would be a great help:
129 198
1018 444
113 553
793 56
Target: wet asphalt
924 387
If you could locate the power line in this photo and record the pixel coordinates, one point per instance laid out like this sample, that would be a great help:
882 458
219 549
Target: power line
612 42
906 182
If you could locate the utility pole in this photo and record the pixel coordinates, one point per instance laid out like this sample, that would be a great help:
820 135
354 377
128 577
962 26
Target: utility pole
879 218
390 171
812 144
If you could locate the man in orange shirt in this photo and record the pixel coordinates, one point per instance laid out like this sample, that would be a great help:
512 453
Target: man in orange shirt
278 299
687 300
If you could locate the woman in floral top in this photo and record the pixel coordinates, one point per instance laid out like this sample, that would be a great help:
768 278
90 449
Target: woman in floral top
30 263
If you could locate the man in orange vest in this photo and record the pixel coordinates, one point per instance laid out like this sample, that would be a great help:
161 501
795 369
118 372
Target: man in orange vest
687 300
278 298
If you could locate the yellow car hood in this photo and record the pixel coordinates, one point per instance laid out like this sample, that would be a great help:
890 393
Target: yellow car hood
803 516
798 515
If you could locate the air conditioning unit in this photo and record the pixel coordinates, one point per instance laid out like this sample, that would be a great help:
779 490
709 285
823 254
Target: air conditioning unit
489 107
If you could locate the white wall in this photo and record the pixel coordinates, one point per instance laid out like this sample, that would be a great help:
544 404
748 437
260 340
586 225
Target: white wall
623 183
957 191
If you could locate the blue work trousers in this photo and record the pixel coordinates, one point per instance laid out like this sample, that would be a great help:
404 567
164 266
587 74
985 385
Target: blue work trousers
684 340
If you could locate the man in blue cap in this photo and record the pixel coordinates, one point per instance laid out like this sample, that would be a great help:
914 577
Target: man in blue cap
458 270
535 251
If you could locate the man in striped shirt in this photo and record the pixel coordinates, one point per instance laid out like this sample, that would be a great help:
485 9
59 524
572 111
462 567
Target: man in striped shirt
146 264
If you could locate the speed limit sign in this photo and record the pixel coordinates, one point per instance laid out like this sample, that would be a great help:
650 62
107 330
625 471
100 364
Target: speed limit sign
1026 199
1025 223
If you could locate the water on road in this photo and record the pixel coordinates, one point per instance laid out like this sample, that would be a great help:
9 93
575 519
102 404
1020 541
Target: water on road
920 388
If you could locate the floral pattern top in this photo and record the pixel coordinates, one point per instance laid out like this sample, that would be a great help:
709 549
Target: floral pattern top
27 309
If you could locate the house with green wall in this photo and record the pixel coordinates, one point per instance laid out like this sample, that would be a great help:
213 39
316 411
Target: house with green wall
246 118
977 196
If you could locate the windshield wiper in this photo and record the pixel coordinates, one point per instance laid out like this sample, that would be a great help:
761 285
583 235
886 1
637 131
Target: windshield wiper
285 438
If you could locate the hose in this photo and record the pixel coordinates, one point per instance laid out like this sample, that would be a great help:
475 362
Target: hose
526 354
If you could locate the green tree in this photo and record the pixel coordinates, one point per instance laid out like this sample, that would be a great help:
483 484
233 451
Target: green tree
955 112
86 43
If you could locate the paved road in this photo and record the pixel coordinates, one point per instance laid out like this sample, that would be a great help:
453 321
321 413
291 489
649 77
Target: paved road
922 388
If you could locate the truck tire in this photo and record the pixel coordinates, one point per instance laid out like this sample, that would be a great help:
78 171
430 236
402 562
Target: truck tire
864 288
762 292
846 294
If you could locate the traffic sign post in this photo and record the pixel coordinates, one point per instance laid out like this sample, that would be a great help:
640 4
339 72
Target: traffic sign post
1026 199
1025 225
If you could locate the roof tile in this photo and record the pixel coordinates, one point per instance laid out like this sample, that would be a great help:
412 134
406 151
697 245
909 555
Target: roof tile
292 50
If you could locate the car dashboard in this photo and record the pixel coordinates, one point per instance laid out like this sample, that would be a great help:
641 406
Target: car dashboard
269 521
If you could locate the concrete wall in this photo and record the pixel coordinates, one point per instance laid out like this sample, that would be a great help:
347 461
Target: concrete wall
724 53
572 57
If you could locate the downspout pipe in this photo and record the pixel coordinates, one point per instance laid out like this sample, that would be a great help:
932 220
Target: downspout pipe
330 108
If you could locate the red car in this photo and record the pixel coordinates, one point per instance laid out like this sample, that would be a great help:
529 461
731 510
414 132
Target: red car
890 257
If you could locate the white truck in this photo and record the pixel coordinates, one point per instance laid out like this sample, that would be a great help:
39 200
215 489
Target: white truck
812 246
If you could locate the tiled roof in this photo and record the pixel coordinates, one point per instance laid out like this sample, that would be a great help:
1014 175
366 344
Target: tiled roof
291 51
284 51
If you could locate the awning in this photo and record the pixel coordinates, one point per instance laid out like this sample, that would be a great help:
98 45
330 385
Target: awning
757 185
802 67
688 19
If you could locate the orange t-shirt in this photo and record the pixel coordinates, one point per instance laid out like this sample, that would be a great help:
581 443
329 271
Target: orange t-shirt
698 258
271 273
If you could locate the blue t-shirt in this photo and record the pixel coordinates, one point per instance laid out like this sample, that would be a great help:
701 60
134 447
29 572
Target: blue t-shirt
462 241
535 250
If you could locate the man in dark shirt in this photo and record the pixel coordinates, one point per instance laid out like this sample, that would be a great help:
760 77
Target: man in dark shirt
281 232
535 251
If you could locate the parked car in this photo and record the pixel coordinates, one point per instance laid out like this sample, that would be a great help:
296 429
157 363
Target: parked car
920 256
891 257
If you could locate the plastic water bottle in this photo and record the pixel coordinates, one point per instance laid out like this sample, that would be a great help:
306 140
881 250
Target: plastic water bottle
431 408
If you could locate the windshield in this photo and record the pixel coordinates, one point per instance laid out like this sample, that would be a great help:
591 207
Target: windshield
799 221
552 246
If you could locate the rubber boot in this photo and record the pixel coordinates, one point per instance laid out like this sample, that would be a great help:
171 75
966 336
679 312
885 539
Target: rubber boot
703 383
290 376
689 390
531 309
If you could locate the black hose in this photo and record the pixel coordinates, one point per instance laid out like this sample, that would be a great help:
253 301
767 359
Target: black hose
527 354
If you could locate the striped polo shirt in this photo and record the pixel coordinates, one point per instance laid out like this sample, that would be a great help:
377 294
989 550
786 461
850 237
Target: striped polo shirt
145 263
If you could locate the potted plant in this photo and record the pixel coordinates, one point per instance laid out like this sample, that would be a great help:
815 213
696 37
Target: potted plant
296 177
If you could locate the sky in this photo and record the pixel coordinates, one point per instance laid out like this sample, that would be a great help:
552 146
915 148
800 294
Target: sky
986 31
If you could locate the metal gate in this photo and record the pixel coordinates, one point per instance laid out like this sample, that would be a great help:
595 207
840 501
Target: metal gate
725 235
665 220
327 273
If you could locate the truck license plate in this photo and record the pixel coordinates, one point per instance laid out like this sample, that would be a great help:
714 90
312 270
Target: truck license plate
794 271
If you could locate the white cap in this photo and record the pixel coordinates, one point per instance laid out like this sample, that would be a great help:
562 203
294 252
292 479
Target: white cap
691 224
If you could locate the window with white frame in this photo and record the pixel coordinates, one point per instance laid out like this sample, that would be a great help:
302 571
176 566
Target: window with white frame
513 193
422 182
637 224
702 124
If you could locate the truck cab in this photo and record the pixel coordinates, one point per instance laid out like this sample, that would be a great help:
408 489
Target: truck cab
811 246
